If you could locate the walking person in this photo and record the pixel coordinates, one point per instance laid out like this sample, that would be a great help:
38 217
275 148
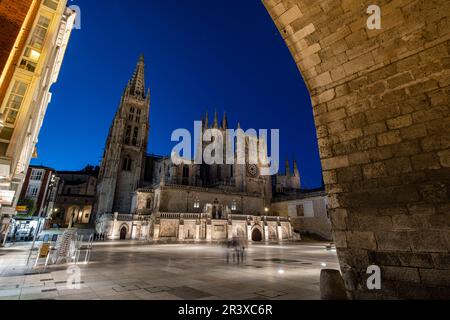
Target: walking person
227 247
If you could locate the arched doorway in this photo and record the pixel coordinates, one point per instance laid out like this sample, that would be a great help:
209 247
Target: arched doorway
123 233
256 235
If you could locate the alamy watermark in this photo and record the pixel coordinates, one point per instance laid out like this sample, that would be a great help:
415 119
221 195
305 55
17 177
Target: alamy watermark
374 280
77 10
374 20
228 147
74 278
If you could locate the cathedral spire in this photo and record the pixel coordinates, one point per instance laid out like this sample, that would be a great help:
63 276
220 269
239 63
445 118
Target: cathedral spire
216 120
224 121
288 169
296 171
206 122
136 86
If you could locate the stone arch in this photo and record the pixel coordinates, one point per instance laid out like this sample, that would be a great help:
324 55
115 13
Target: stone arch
257 233
72 214
123 232
381 107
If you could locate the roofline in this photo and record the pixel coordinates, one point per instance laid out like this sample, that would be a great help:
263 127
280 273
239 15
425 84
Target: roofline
41 167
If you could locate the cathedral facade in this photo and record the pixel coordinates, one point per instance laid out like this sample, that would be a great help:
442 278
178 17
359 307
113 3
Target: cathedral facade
148 197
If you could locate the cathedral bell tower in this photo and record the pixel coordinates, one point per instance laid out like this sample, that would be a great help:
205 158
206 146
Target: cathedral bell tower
122 167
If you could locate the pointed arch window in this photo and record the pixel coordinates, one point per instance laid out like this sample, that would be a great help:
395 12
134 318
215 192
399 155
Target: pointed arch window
196 203
219 173
149 203
233 205
128 135
185 172
126 164
138 115
135 136
131 115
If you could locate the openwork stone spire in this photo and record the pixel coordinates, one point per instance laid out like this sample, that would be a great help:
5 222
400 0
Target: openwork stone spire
206 123
288 169
136 86
224 121
216 120
296 171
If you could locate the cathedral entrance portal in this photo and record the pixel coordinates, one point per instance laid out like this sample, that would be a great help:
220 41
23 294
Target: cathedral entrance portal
123 233
256 235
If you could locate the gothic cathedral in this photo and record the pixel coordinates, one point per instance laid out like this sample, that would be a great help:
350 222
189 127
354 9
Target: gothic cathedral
142 196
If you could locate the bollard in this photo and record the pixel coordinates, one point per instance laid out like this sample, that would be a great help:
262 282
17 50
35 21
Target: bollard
332 285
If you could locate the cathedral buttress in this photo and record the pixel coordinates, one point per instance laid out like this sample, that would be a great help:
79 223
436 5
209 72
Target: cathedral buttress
122 168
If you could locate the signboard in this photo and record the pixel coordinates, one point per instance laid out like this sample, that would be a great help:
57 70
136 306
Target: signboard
44 250
22 208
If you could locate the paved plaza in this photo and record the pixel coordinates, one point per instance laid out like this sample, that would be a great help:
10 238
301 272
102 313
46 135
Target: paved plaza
136 271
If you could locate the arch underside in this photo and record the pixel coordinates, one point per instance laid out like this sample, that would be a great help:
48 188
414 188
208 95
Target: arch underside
381 108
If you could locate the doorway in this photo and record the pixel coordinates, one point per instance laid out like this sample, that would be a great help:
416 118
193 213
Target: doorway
256 235
123 233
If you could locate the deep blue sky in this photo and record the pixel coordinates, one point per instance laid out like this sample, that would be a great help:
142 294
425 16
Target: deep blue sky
200 55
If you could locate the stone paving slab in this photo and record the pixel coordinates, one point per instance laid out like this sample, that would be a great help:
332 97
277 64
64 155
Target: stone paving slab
135 271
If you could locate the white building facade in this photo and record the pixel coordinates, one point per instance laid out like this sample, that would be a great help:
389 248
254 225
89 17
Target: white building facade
23 110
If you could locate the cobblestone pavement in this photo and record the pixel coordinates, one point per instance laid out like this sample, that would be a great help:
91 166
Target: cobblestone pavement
136 270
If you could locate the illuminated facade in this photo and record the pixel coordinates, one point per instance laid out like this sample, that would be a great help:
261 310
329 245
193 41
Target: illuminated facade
37 47
142 196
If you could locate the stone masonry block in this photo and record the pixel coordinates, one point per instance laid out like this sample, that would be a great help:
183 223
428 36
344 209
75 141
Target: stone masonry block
375 170
358 64
362 240
334 163
400 122
393 241
391 137
289 16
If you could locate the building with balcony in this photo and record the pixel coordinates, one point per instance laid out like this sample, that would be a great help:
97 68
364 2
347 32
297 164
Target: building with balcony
31 55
